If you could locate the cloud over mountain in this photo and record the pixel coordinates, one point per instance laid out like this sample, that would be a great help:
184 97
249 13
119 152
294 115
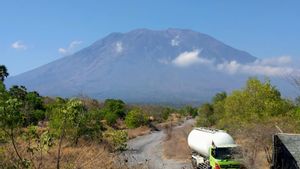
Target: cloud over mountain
276 66
189 58
71 48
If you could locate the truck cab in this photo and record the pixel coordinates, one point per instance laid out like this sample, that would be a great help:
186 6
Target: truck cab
225 157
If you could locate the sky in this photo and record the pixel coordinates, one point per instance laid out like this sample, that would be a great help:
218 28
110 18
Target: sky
36 32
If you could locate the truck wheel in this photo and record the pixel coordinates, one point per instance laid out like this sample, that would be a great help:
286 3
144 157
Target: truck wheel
194 163
208 165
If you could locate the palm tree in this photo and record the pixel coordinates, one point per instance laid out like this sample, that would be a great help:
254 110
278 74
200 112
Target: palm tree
3 72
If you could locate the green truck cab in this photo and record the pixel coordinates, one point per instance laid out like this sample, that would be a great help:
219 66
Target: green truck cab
225 157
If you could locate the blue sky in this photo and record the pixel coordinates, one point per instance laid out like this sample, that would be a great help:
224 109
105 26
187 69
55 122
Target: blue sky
35 32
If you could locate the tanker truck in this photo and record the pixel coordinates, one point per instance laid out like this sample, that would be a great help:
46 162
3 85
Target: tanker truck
213 149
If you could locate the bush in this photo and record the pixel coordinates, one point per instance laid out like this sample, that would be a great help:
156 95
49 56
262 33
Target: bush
189 111
2 137
116 107
110 118
35 116
116 139
135 118
90 125
166 113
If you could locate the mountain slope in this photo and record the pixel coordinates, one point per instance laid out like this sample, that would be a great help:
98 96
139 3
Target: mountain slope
139 66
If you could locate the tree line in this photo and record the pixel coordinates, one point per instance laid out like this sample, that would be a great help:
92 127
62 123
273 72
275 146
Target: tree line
33 124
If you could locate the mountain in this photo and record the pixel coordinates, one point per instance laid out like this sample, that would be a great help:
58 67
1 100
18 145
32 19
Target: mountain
167 66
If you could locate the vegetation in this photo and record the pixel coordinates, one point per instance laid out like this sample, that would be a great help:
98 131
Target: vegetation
3 72
189 111
116 139
135 118
252 115
36 129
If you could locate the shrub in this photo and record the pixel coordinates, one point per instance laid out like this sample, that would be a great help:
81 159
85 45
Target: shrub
135 118
116 139
110 118
89 125
115 106
166 113
2 137
188 111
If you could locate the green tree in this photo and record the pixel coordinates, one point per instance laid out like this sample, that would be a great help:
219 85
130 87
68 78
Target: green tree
256 102
2 87
88 124
110 117
115 106
32 109
64 121
205 117
18 92
112 110
135 118
3 73
219 97
11 121
218 102
92 126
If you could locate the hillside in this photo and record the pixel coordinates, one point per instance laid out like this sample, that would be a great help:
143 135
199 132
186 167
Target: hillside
168 66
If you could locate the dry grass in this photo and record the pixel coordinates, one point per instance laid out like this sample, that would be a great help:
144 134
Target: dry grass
175 145
173 120
256 141
86 155
143 130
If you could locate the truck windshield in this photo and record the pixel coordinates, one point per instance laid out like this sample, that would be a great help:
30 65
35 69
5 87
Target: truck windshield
227 153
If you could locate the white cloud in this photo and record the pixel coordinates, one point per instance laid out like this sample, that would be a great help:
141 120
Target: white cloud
268 67
175 41
230 67
70 49
62 50
275 66
189 58
275 61
119 47
19 45
73 44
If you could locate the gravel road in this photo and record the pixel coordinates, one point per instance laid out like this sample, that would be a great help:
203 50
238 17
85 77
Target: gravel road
147 150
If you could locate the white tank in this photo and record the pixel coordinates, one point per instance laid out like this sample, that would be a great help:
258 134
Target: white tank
201 139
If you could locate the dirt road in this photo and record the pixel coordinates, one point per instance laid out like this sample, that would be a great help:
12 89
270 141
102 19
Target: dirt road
149 150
